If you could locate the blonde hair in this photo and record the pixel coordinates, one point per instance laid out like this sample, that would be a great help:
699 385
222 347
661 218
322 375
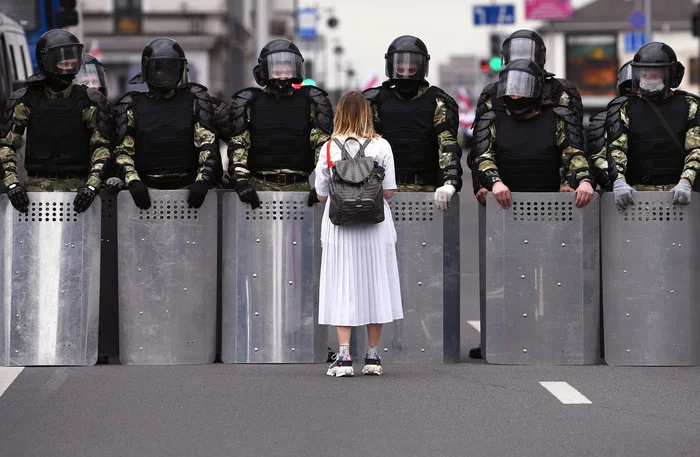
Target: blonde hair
353 117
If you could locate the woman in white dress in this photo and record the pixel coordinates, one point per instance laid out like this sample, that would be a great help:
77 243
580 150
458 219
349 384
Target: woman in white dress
359 273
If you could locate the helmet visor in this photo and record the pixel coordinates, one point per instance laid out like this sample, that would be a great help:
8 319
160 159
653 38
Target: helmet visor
407 65
652 79
283 66
522 48
519 84
63 60
165 73
91 76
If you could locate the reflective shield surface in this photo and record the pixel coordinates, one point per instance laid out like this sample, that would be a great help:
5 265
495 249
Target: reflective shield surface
50 282
650 276
542 280
167 280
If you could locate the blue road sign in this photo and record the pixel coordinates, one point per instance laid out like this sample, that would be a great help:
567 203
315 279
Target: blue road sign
638 20
494 14
633 40
306 23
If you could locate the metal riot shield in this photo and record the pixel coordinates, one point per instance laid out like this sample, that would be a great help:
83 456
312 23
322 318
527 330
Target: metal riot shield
50 276
109 280
167 280
542 280
270 269
651 266
427 250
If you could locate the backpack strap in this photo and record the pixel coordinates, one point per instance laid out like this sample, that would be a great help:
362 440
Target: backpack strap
344 153
328 155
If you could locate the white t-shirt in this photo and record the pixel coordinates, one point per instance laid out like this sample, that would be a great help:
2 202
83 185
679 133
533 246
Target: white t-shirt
378 148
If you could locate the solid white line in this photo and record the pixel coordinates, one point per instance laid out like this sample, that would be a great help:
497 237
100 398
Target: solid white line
476 325
565 393
7 377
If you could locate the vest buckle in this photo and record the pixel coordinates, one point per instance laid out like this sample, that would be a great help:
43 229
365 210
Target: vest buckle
281 179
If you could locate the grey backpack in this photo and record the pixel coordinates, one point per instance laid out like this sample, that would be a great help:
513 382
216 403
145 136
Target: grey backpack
357 194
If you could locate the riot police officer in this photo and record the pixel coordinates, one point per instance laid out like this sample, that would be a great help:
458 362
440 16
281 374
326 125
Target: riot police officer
278 130
420 122
92 74
601 162
654 136
528 146
527 44
165 136
68 127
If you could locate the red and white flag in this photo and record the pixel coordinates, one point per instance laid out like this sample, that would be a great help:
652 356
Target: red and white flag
466 109
370 82
95 50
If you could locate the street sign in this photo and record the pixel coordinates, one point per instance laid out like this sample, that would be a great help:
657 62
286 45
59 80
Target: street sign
548 9
494 14
638 20
633 40
306 23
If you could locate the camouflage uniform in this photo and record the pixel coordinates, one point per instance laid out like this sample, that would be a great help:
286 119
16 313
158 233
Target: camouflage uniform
447 142
96 117
618 131
240 143
574 167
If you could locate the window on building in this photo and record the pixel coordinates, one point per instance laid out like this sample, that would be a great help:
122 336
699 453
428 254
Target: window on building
693 70
127 16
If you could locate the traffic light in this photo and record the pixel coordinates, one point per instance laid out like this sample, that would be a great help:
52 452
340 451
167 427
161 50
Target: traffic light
67 15
495 43
484 64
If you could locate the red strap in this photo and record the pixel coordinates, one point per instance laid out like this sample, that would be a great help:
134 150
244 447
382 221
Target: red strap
328 155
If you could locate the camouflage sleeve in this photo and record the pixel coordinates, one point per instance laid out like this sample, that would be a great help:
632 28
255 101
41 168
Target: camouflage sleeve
99 147
574 162
485 152
617 130
446 123
238 148
692 142
318 136
375 118
124 151
205 142
12 141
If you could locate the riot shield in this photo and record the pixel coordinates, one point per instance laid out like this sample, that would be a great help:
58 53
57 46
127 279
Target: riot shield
109 279
471 247
271 259
542 280
50 282
650 275
167 280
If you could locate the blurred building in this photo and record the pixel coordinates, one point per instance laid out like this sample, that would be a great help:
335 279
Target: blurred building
465 71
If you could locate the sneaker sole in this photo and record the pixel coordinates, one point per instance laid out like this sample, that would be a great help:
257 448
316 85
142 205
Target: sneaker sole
375 370
340 372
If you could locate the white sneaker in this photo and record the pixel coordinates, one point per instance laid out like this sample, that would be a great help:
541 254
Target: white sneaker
341 366
372 366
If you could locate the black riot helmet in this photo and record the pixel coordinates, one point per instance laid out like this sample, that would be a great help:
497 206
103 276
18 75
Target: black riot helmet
524 44
520 84
280 63
624 78
163 63
92 74
59 53
407 58
656 69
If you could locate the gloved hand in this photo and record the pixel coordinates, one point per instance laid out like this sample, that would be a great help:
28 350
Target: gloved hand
443 196
313 198
139 192
198 190
623 194
86 195
682 192
246 193
114 185
18 197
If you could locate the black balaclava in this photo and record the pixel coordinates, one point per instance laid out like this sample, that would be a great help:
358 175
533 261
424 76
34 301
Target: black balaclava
59 83
407 88
519 106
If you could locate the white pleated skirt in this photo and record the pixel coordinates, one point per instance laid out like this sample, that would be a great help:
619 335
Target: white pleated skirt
359 273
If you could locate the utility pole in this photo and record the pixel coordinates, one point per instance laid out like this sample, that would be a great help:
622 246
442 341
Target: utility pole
647 24
262 23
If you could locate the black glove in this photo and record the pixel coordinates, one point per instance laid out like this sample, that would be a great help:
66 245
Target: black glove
313 197
18 197
247 193
85 197
139 192
198 190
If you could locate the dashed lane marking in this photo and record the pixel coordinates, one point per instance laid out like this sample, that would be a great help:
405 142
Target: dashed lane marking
7 377
565 393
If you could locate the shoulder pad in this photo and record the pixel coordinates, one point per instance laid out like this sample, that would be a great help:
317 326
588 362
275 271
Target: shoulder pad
316 91
572 126
595 132
105 118
120 114
223 121
371 93
613 122
205 108
452 109
15 98
240 101
95 96
562 111
197 86
488 94
482 135
324 108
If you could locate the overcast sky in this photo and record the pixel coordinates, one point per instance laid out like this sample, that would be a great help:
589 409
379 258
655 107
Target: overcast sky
367 27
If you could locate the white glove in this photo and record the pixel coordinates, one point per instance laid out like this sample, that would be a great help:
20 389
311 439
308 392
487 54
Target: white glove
443 195
623 194
115 184
682 192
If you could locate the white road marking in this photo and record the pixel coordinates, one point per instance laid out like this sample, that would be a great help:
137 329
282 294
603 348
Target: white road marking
7 377
565 393
476 325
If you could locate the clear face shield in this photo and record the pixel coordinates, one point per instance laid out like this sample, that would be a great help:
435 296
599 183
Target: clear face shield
522 48
63 60
651 80
283 66
407 65
164 73
91 76
518 84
